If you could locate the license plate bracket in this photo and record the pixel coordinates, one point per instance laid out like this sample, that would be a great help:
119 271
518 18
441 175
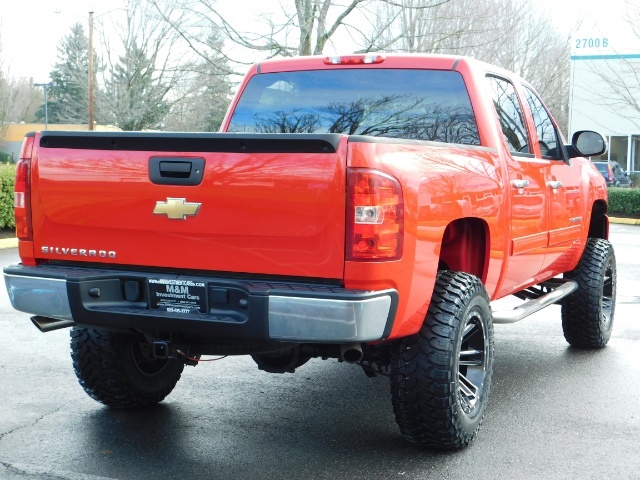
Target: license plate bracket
177 295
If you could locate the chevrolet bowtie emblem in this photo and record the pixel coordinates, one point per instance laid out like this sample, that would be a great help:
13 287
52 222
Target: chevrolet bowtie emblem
176 208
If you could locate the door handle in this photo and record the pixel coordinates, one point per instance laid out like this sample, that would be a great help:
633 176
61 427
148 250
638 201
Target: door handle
176 170
554 184
519 183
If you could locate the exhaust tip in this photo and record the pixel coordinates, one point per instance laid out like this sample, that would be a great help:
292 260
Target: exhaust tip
351 353
45 324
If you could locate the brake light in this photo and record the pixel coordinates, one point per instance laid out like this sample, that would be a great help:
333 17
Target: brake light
365 59
22 190
375 216
610 172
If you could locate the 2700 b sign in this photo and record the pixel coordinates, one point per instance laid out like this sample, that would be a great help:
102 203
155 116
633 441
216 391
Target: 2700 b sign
177 296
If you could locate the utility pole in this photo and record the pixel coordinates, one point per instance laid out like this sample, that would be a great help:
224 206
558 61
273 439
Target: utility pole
45 87
90 71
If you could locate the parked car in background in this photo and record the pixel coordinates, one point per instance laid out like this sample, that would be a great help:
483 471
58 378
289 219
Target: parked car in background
614 174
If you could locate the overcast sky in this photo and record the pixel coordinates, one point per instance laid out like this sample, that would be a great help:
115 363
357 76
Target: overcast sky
31 29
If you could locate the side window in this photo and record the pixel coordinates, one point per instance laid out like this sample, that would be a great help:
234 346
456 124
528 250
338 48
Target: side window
510 115
547 135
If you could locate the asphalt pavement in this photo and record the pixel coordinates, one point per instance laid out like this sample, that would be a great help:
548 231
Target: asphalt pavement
555 412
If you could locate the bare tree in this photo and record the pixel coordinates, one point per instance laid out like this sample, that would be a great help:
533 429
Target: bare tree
620 78
512 34
201 104
25 100
5 96
460 26
203 94
138 80
141 68
509 33
615 82
154 80
301 27
5 102
19 100
539 53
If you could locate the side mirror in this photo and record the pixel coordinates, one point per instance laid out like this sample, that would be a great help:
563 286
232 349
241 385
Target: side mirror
586 143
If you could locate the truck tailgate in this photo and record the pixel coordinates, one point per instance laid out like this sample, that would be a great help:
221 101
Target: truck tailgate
263 204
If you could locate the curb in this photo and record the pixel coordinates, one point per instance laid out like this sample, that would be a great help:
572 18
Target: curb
8 243
624 221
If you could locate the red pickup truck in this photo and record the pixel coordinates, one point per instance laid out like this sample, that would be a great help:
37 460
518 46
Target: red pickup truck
365 207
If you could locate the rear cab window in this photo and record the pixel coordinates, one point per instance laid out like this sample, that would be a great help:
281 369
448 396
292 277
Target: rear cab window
430 105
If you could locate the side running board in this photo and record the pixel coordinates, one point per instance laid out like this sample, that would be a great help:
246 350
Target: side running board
531 306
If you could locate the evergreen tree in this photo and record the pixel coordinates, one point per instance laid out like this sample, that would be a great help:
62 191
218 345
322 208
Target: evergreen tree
136 97
69 94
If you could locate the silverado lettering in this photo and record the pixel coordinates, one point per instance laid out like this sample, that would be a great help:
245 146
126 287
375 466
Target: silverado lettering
366 208
78 252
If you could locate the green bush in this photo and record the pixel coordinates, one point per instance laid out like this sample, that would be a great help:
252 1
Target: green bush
7 176
624 200
5 157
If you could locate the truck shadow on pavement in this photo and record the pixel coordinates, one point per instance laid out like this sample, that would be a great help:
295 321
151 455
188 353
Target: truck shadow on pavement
328 421
303 428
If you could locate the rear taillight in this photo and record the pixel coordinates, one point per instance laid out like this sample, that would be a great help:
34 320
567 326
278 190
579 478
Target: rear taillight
22 190
375 215
610 173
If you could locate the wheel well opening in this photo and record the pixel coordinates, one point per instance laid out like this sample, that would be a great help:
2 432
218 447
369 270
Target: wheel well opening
465 246
599 224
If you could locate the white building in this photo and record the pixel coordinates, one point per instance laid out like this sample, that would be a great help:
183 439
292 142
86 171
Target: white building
605 91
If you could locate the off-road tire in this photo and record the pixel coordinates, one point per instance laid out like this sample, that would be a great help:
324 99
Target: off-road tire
117 369
430 370
587 314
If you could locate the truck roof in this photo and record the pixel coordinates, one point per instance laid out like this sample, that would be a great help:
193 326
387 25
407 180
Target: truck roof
432 61
392 60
